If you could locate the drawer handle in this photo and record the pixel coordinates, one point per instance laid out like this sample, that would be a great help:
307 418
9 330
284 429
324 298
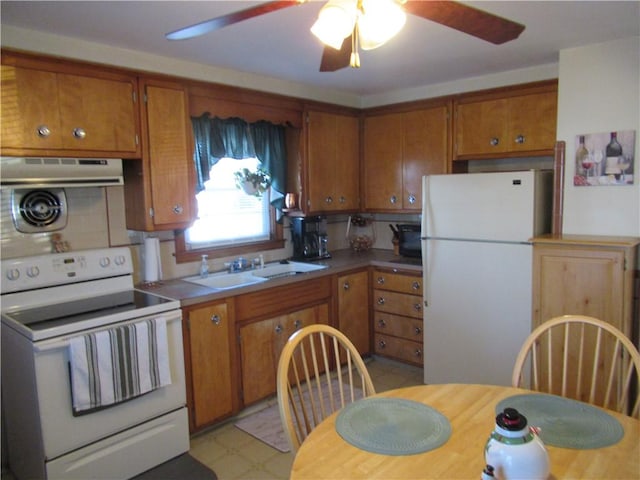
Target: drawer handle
279 328
215 319
346 286
520 139
382 323
382 344
43 131
79 133
494 141
380 300
417 307
380 280
418 352
418 330
415 285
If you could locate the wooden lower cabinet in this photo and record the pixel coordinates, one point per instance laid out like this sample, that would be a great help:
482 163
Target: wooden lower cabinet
262 342
352 291
208 351
397 315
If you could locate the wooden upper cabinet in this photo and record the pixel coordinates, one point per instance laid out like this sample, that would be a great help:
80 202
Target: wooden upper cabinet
50 110
333 146
514 121
160 190
399 148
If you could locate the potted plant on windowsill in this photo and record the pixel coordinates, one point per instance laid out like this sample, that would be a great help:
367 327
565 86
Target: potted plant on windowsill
253 183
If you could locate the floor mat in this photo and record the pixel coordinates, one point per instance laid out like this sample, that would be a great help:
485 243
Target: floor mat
265 425
180 468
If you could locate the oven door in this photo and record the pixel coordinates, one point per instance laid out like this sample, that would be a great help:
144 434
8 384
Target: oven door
44 390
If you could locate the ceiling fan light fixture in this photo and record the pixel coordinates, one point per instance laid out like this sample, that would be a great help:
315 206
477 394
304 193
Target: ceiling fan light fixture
379 22
335 22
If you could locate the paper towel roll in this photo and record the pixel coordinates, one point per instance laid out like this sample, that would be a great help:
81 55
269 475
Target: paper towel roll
152 263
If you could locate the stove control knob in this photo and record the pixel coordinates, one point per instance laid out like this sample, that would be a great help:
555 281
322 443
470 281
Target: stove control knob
105 262
120 260
13 274
33 272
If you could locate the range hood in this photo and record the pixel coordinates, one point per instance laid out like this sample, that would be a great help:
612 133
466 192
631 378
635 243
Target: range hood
33 172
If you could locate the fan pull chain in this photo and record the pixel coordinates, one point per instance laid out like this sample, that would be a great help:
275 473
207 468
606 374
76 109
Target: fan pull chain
354 61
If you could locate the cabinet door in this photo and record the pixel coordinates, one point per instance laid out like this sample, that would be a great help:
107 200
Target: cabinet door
97 114
259 359
332 159
425 135
210 364
532 122
481 127
30 114
171 169
573 280
353 309
383 162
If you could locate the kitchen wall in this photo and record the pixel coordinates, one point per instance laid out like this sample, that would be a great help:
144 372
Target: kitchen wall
598 91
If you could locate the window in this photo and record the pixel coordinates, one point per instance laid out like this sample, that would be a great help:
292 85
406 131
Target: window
226 214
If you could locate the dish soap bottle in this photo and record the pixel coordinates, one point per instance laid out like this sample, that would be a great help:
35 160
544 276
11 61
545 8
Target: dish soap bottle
204 267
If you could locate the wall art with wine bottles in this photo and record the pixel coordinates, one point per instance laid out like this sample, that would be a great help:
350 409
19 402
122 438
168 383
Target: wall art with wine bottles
605 159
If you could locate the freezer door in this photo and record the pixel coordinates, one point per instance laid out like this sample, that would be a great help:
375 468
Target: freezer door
503 206
478 310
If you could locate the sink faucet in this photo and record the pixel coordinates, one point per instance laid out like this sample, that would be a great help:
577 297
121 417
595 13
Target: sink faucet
238 265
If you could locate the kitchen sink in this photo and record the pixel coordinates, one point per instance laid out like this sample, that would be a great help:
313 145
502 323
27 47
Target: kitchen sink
225 281
276 270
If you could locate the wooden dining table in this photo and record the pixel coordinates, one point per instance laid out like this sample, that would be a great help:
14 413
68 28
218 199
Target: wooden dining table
470 410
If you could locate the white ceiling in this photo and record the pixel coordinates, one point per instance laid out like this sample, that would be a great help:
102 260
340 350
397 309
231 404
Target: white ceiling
280 45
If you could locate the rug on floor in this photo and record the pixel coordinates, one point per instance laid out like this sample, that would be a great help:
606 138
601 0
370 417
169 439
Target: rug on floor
266 426
179 468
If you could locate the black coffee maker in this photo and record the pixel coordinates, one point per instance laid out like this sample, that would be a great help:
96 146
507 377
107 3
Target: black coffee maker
309 236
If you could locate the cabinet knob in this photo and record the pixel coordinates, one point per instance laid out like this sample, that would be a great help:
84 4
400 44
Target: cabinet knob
43 131
342 199
382 344
520 139
418 352
418 330
380 280
412 199
417 307
415 285
382 323
297 324
215 319
79 133
346 286
393 199
494 141
328 200
279 328
381 300
177 209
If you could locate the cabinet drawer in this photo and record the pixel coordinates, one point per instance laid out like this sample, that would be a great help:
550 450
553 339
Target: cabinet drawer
398 303
397 282
405 327
399 348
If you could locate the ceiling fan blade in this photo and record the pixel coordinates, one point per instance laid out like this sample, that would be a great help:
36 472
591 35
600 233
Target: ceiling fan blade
466 19
229 19
333 59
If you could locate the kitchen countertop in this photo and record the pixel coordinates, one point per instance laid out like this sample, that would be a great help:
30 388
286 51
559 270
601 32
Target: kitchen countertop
341 261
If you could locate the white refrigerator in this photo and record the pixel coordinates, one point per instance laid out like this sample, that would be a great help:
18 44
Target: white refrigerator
477 268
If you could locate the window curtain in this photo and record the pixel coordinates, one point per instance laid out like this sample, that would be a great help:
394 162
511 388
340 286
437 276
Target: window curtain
217 138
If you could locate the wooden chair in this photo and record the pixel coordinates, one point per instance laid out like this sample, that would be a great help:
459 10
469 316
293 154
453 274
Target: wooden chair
582 358
319 372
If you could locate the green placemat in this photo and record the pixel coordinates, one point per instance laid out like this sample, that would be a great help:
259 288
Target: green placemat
566 423
392 426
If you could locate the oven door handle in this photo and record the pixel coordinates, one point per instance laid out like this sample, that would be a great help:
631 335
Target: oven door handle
42 347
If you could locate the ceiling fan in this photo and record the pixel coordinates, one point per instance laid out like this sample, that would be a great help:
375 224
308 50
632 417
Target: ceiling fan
341 50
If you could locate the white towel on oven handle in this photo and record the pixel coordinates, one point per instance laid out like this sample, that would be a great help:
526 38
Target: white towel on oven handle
114 365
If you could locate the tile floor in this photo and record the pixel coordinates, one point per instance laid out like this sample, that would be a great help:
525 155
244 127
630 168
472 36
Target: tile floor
234 454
